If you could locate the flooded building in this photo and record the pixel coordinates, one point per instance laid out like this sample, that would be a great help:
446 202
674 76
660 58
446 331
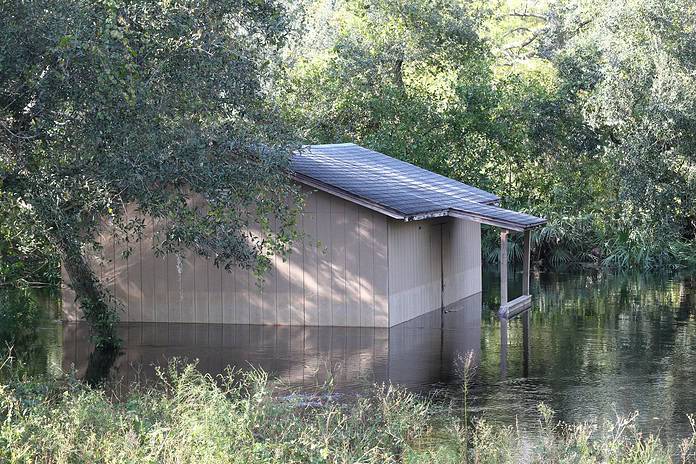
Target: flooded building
416 354
383 242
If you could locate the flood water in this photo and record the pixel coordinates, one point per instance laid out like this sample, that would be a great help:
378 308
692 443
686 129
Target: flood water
592 346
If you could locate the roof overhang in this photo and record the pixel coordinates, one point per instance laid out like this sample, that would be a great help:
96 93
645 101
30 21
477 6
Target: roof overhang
447 212
496 222
475 218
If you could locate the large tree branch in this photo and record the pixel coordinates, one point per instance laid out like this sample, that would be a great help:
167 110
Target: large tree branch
517 29
528 15
526 42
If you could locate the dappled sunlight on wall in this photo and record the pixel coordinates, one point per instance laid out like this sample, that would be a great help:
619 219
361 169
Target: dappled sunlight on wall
340 265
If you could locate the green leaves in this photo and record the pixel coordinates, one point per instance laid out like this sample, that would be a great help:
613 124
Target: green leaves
115 110
566 109
142 101
639 90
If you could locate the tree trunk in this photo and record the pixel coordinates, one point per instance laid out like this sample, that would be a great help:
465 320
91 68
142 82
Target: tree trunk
99 314
399 74
91 296
96 303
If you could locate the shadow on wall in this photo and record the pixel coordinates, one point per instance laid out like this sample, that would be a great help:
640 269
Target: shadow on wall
340 267
417 353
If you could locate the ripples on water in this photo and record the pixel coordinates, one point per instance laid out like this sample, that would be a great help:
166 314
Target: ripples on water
592 346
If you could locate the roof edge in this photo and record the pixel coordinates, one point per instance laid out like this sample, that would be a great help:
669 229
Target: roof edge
497 222
333 190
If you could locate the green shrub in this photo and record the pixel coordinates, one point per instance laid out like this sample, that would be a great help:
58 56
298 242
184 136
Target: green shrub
190 417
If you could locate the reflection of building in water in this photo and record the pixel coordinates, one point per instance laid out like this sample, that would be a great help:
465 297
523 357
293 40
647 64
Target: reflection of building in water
504 325
427 349
419 352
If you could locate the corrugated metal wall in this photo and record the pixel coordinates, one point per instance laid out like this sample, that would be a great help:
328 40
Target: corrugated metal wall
336 276
417 264
461 260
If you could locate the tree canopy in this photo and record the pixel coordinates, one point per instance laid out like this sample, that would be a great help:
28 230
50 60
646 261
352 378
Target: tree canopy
578 110
110 105
635 61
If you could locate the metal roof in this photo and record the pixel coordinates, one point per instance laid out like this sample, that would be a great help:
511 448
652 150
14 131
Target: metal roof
399 189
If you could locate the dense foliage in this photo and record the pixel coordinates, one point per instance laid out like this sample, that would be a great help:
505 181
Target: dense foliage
26 329
578 110
26 257
113 110
582 111
191 418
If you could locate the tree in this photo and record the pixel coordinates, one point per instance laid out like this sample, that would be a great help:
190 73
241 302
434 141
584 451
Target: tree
632 64
112 105
383 73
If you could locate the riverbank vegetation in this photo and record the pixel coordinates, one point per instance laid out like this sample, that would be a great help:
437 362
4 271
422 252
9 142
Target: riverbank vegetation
190 417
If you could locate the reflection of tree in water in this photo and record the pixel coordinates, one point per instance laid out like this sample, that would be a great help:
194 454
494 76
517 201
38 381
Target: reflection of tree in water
99 366
30 335
25 330
598 343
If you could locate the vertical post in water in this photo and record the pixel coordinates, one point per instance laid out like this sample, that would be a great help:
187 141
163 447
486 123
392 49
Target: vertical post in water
525 263
503 267
503 348
525 344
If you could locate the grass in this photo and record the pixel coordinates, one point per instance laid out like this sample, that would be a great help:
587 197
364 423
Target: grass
189 417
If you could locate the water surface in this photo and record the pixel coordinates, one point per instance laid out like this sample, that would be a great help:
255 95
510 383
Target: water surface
593 346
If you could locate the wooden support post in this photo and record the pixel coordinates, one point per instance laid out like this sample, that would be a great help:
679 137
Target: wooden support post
503 267
511 308
525 263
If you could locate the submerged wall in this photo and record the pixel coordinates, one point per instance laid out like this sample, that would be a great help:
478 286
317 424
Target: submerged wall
336 276
432 263
353 268
461 260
